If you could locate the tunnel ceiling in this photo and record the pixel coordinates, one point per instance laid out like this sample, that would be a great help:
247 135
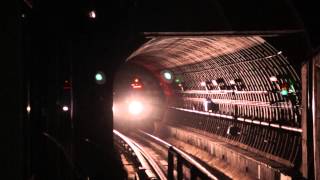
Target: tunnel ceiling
207 58
173 52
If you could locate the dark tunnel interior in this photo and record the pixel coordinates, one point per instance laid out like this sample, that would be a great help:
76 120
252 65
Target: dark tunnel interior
237 80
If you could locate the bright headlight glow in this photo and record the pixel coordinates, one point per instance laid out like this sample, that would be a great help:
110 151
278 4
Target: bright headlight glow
135 107
65 108
28 109
92 14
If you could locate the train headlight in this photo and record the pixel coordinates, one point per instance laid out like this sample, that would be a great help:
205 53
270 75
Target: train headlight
65 108
135 107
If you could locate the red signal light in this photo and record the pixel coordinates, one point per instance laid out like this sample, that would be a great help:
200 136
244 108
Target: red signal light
136 84
66 85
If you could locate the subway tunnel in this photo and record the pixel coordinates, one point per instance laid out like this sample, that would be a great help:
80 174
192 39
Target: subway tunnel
231 86
238 89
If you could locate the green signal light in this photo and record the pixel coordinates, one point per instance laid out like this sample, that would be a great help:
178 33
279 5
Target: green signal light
284 92
177 80
99 77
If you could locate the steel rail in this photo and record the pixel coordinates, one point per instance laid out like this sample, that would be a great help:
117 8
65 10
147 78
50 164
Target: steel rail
145 162
197 170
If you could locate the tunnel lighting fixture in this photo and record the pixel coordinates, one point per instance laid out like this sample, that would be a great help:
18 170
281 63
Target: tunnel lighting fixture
167 75
203 83
214 82
232 82
28 109
92 14
273 79
135 107
65 108
181 86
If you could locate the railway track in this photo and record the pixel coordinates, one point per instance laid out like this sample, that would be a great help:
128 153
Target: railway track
154 158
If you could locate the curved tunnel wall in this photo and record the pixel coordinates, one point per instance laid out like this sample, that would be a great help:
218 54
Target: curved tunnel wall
233 73
250 61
